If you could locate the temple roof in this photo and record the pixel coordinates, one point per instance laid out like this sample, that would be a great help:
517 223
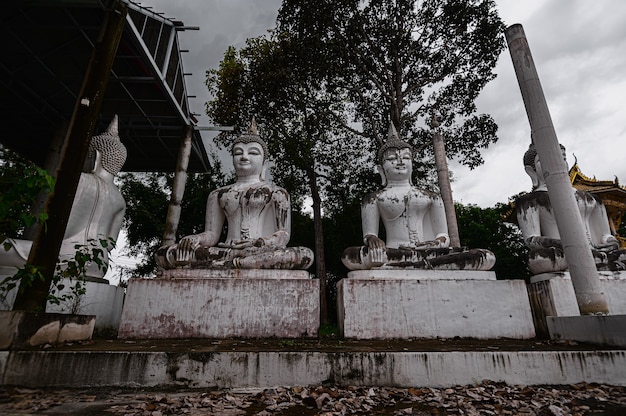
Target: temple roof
606 188
46 46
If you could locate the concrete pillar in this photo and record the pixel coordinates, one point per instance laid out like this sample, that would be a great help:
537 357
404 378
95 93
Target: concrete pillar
585 278
443 176
178 189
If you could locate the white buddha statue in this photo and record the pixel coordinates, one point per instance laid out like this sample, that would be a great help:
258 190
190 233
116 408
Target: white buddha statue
98 207
539 229
414 220
258 217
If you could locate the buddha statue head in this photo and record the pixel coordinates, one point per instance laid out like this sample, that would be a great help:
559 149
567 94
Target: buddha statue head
252 136
395 158
250 154
532 165
106 150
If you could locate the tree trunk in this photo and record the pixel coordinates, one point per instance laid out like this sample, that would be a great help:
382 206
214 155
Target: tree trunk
320 261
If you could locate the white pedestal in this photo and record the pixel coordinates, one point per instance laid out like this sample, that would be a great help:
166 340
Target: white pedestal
552 294
209 304
100 299
432 304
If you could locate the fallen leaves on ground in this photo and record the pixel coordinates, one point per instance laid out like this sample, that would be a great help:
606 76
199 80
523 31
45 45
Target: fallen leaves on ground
486 398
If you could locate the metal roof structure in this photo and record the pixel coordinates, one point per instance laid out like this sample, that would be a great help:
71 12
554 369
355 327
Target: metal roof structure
45 49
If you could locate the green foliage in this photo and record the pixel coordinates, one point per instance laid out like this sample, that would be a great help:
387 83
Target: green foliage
402 61
486 228
73 269
20 182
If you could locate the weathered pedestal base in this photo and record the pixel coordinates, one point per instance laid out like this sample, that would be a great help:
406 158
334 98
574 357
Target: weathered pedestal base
552 294
19 329
221 304
373 304
100 299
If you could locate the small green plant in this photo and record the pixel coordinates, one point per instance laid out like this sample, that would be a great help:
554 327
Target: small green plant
73 269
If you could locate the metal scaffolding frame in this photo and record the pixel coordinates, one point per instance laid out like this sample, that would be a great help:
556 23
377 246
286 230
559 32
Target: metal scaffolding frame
46 45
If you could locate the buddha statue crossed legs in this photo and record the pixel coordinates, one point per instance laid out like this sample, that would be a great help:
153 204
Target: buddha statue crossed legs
258 215
414 221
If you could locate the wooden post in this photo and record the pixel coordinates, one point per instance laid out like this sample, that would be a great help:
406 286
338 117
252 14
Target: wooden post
443 175
47 244
582 268
178 189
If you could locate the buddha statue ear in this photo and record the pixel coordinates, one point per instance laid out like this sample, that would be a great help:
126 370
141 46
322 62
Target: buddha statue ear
381 172
263 175
533 175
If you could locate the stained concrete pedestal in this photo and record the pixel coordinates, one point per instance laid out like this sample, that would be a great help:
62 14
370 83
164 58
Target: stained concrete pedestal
552 294
391 304
101 299
189 303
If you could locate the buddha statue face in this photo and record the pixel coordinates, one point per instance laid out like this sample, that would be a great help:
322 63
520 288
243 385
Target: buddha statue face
248 159
397 164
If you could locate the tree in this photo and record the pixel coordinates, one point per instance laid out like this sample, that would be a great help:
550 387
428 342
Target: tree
486 228
405 60
20 182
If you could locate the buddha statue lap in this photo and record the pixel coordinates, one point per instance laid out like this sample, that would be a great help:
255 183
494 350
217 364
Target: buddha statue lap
98 207
541 235
414 220
258 215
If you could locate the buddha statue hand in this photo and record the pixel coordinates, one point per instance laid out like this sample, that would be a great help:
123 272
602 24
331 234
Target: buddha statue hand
241 244
608 244
186 249
539 242
376 252
441 241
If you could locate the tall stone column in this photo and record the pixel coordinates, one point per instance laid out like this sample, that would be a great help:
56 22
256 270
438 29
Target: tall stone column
582 268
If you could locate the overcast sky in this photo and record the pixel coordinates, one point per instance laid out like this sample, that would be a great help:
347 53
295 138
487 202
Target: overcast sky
579 48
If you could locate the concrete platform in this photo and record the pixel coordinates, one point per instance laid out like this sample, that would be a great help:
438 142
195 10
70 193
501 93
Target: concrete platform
207 304
552 294
237 369
388 304
607 330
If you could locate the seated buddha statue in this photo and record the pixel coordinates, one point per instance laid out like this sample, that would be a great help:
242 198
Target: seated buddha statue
97 210
414 221
541 235
258 218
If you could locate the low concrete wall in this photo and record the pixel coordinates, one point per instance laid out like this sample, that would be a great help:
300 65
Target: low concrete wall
596 329
221 308
552 294
388 308
266 369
